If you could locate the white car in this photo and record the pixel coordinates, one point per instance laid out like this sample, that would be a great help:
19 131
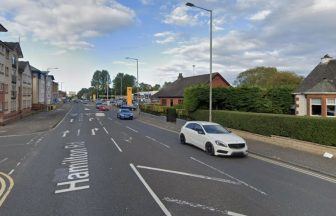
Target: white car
213 138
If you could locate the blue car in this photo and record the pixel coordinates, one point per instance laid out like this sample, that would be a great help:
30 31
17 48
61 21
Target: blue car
125 114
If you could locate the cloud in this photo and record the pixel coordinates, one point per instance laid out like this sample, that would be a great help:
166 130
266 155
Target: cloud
165 37
67 24
261 15
146 2
179 16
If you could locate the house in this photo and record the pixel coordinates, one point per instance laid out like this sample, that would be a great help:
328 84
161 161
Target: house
172 94
55 95
39 88
9 54
316 96
48 92
25 88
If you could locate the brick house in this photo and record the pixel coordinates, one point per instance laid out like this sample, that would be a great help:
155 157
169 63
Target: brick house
316 96
172 94
25 88
9 54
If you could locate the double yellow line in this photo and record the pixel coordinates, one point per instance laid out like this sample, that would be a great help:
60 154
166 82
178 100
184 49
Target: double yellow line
6 185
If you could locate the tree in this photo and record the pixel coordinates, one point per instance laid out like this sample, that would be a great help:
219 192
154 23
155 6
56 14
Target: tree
99 81
127 81
166 84
83 93
267 77
156 87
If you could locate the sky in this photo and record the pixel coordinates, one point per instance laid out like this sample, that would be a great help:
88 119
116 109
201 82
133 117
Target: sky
168 38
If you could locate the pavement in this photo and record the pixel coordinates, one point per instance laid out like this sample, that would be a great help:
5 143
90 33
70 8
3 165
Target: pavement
264 147
95 164
35 123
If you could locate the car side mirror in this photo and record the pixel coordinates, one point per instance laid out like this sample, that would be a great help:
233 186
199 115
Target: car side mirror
200 132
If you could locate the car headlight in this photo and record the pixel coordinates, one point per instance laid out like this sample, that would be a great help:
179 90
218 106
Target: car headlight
220 143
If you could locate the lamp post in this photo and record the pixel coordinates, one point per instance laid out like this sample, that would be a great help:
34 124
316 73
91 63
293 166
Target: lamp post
210 94
137 65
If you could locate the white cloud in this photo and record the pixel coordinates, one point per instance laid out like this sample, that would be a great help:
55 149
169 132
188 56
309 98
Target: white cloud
261 15
146 2
179 16
165 37
68 24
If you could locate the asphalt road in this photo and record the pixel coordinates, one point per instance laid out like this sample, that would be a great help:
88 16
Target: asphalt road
95 164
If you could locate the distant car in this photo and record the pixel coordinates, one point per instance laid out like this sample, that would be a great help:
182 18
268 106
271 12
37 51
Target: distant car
132 108
213 138
124 114
103 108
98 104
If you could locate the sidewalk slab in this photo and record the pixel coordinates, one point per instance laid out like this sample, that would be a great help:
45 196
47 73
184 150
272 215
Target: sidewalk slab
265 146
35 123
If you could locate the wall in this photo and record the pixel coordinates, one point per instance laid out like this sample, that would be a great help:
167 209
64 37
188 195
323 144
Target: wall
35 89
218 82
168 101
41 99
300 105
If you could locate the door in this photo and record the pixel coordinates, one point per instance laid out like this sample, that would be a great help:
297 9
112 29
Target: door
200 136
189 133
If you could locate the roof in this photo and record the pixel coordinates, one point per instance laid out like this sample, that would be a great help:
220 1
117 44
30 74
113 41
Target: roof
202 122
321 79
2 29
52 77
34 69
176 89
22 66
15 46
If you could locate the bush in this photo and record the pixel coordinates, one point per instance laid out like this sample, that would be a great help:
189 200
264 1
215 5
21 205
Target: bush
312 129
154 109
245 99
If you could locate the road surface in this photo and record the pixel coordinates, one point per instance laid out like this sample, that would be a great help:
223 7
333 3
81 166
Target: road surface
95 164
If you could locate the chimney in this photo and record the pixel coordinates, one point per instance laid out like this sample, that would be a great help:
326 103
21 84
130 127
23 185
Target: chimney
326 59
180 76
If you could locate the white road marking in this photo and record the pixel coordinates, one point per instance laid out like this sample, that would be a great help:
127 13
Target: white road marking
93 131
3 160
100 114
154 140
18 164
30 141
151 192
105 130
116 144
297 169
328 155
189 174
201 206
90 119
132 129
240 181
11 172
63 118
86 109
71 120
78 132
65 133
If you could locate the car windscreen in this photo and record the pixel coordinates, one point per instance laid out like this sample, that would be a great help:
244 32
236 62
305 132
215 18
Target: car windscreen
215 129
125 111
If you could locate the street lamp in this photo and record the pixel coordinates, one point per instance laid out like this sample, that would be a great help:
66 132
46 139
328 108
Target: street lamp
210 94
137 64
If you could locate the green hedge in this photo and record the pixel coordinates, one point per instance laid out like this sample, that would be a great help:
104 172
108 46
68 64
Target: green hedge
154 109
312 129
246 99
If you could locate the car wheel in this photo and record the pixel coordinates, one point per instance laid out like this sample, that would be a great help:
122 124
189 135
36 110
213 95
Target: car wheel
209 149
182 139
131 118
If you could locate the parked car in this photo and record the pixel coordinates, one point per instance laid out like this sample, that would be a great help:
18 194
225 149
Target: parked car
124 114
103 108
213 138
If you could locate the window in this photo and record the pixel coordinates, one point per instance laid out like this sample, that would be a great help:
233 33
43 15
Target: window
331 106
164 102
190 126
198 128
215 129
316 107
180 101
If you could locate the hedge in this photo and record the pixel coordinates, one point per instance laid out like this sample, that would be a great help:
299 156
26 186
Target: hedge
246 99
312 129
154 109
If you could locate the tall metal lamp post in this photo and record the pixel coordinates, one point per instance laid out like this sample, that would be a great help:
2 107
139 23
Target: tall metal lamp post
210 94
137 66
